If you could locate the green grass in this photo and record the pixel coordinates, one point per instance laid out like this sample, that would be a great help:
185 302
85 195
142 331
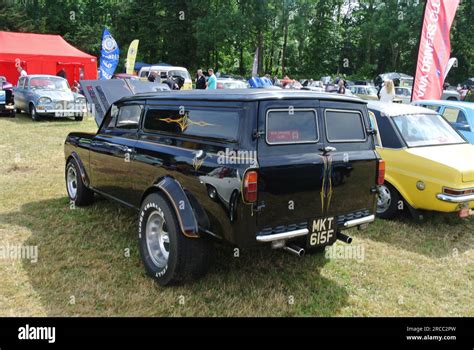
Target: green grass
409 269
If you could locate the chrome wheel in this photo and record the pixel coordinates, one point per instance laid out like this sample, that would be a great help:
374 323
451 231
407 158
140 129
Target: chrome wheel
384 199
157 239
71 180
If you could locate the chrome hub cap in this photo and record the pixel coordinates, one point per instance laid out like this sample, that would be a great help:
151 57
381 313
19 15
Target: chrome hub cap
72 182
157 239
384 199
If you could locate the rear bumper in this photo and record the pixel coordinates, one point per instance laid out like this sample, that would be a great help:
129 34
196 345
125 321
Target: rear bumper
9 109
455 199
360 221
282 236
304 231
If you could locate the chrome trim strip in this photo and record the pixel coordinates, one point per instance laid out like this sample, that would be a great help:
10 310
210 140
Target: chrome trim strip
283 235
360 221
455 199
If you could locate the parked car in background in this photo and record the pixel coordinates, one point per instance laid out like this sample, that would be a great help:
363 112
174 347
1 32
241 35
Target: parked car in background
6 104
229 83
4 84
468 82
48 95
400 79
403 94
125 76
6 98
429 165
194 175
451 95
316 86
459 114
164 71
365 92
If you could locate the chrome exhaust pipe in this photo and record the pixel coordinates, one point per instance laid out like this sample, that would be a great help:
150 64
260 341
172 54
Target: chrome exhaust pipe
345 238
294 250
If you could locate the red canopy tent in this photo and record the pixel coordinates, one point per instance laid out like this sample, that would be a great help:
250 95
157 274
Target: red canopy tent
43 54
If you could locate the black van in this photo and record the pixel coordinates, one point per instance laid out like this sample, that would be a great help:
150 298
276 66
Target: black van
291 169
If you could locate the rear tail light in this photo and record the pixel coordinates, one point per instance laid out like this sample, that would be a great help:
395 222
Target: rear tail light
250 186
380 172
453 192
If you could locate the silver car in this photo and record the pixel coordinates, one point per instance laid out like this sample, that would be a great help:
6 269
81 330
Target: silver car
41 95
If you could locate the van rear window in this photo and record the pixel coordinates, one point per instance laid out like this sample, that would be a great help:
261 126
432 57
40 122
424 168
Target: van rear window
344 126
286 126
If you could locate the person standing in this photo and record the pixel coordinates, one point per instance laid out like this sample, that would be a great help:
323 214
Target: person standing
341 87
62 73
212 81
22 71
387 93
200 80
152 77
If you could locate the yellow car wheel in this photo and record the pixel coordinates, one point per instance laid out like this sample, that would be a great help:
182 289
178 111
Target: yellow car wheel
388 200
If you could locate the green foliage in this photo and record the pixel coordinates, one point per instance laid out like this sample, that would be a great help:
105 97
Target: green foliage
301 38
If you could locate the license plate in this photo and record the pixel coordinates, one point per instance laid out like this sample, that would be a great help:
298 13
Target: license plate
322 231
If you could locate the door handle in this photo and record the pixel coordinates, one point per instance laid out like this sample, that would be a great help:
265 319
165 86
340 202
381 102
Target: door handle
328 149
200 155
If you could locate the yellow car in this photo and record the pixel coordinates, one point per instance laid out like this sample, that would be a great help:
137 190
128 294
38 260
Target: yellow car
365 92
429 165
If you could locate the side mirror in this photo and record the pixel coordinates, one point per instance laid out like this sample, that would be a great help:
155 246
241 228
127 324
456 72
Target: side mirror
372 131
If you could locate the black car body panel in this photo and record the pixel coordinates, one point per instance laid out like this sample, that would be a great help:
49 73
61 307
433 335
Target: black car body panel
190 159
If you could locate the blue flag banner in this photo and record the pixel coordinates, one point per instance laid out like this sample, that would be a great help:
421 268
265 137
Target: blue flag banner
109 56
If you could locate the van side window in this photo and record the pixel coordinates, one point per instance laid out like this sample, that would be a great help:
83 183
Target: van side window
211 123
286 126
128 117
344 126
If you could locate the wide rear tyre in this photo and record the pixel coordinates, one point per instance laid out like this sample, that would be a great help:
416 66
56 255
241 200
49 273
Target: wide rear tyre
169 256
77 191
388 200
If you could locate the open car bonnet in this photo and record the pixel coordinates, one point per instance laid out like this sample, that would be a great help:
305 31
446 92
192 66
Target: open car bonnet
100 94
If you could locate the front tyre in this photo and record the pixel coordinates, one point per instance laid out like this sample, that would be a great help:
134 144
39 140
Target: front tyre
388 199
33 114
77 191
169 256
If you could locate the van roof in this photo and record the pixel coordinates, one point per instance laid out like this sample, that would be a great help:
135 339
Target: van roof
241 95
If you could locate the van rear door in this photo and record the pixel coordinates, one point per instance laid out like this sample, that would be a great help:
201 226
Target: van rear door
351 161
290 163
310 169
